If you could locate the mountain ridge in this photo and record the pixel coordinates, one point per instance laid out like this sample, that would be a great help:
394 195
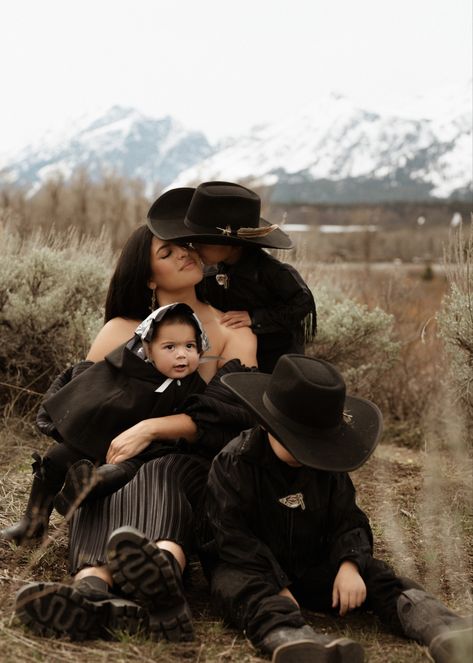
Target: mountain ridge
329 151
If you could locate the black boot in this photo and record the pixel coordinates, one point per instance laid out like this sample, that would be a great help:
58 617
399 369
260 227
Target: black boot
152 576
34 522
84 483
84 611
424 618
304 645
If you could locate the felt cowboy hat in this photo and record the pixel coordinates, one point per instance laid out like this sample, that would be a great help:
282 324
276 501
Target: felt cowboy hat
304 405
214 213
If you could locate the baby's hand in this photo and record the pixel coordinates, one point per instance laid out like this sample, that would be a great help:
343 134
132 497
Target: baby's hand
349 589
236 319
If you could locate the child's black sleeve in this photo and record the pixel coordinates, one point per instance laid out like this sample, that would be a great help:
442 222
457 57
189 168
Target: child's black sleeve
350 536
292 301
218 414
228 502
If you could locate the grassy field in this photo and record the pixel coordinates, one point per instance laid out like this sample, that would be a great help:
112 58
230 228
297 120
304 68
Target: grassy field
391 488
417 493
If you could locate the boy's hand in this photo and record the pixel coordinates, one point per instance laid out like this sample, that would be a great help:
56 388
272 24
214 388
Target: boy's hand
349 589
236 319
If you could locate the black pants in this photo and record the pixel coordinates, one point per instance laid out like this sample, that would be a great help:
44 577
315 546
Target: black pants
250 601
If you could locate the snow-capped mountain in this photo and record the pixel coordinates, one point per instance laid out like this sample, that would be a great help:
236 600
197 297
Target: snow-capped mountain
122 140
330 151
333 151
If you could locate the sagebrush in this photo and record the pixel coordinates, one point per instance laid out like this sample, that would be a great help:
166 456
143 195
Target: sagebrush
52 291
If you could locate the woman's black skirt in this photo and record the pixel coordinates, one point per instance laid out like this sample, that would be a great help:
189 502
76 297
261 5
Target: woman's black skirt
163 501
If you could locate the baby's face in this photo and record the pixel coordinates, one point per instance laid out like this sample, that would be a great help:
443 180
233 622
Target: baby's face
174 349
282 453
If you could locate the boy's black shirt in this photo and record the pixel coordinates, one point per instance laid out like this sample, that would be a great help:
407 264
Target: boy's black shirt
275 296
253 529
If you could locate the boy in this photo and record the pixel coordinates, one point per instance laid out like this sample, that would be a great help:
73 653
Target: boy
254 289
288 530
150 376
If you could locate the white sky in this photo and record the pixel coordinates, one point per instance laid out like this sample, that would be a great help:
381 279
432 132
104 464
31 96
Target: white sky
221 66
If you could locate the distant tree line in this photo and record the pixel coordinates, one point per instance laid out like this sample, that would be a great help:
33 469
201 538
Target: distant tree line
113 203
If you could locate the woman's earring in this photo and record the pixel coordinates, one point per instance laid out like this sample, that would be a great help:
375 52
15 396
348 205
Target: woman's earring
154 301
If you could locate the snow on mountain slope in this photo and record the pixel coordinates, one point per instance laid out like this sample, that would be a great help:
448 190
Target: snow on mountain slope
331 150
122 140
335 140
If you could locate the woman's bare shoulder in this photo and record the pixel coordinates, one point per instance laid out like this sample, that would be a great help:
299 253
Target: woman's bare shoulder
240 344
114 332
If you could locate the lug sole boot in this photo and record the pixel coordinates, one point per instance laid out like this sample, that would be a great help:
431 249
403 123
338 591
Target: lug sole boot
57 610
85 482
153 577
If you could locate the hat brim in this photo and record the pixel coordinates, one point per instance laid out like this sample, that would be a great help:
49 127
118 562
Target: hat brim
170 223
337 450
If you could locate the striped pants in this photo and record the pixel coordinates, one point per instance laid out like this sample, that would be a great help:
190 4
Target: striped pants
162 501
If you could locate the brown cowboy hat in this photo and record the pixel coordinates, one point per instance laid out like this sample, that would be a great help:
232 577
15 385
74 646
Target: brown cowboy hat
214 213
304 405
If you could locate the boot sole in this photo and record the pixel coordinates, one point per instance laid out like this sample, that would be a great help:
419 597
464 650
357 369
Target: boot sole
144 572
342 650
56 610
76 488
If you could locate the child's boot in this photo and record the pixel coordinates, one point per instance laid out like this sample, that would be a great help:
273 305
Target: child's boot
304 645
424 618
151 575
83 611
34 523
85 482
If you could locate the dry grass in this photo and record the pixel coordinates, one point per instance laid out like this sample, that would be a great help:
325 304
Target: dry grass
391 488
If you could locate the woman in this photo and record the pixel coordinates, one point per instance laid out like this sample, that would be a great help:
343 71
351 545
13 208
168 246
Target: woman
157 505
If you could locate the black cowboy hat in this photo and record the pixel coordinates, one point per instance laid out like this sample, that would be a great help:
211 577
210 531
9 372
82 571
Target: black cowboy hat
303 404
214 213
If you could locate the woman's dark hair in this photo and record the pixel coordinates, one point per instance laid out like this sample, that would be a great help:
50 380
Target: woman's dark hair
128 294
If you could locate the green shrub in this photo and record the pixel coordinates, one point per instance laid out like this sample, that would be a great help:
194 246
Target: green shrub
52 290
359 341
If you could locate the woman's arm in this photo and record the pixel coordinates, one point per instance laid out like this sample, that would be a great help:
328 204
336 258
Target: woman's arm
138 437
115 332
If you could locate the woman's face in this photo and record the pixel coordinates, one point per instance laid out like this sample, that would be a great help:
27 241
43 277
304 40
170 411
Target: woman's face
172 266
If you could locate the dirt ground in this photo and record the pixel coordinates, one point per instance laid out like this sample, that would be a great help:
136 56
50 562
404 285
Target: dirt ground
392 488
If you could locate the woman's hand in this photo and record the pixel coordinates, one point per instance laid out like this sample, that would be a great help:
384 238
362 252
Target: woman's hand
130 442
349 589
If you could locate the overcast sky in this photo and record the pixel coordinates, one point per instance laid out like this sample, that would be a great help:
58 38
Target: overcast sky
222 66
